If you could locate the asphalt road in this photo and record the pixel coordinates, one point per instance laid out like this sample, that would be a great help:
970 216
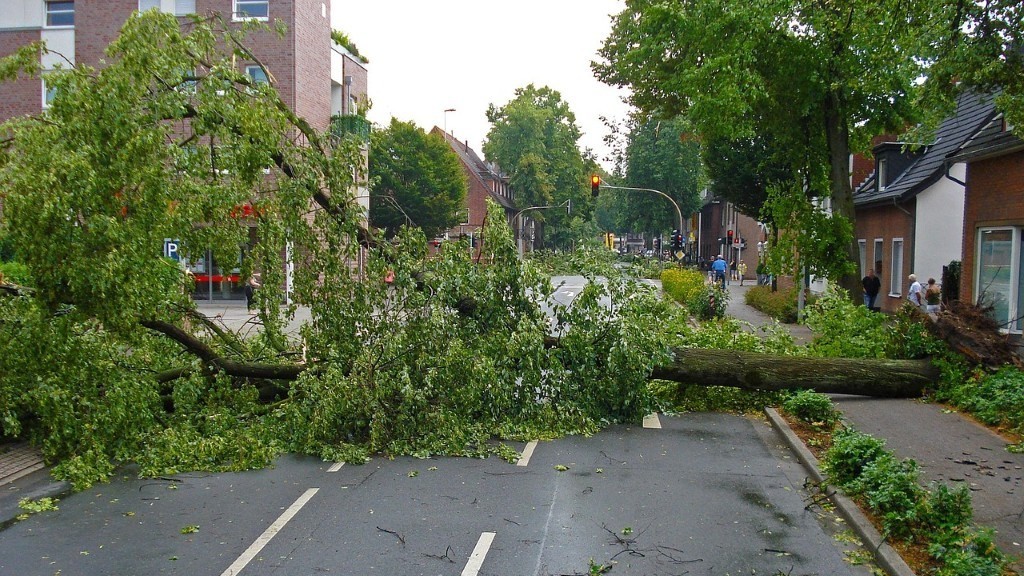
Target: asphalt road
707 494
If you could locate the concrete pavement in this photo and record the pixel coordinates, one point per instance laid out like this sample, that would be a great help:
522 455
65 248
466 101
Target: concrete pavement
949 447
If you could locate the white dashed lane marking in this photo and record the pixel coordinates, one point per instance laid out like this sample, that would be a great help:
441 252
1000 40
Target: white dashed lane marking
524 459
652 421
476 559
269 534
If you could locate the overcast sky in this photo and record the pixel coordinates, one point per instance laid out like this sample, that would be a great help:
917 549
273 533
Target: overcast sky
430 55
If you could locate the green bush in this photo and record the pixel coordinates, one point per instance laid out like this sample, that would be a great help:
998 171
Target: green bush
811 407
14 272
844 330
945 514
689 287
850 453
975 554
890 488
779 304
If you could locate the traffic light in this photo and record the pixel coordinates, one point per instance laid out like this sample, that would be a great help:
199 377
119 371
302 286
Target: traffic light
729 234
595 185
676 240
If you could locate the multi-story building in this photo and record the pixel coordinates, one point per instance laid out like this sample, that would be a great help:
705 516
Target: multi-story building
320 80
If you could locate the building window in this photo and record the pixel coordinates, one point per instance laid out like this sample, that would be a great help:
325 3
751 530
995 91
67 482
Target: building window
257 74
862 250
184 7
148 5
896 278
997 276
882 169
49 93
876 255
60 13
257 9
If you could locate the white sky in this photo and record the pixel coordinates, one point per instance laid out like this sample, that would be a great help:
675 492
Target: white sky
429 55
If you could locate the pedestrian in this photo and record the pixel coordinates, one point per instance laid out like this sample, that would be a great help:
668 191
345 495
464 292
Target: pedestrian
742 271
932 296
916 292
250 291
871 285
719 266
732 269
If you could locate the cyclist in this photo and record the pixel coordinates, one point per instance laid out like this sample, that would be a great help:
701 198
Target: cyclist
720 266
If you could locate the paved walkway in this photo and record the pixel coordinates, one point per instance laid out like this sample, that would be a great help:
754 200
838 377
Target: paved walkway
949 447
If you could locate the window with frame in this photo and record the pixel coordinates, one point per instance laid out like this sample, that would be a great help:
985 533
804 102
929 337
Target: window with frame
258 9
876 255
184 7
257 74
999 274
883 166
862 249
49 93
148 5
60 13
896 274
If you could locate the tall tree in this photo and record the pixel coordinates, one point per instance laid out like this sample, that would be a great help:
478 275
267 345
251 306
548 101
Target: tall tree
982 49
661 155
414 175
815 75
742 170
534 139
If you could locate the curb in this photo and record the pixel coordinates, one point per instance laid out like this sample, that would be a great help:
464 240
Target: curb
885 555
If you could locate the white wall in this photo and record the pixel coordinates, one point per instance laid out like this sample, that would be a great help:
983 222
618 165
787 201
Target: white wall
938 237
21 14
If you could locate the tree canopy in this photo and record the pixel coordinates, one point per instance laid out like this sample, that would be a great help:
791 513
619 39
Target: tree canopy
661 156
534 139
816 77
414 175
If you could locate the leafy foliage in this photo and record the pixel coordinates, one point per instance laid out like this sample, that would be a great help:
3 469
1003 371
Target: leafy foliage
779 304
812 408
533 138
413 172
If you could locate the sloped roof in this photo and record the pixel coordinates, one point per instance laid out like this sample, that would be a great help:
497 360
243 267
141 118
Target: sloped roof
972 112
991 140
484 172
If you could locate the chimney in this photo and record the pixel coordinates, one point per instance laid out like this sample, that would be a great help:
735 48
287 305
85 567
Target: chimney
467 145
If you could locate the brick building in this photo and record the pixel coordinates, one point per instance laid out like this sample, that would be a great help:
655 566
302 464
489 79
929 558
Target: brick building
486 180
993 235
320 80
910 208
722 229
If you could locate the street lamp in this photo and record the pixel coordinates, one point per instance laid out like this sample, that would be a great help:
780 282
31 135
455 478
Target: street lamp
679 213
446 111
519 227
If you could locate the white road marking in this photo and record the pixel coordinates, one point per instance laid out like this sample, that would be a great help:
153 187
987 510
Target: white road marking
336 466
269 533
476 559
524 459
652 421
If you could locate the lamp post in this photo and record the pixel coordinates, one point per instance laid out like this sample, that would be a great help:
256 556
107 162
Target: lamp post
519 226
679 213
446 111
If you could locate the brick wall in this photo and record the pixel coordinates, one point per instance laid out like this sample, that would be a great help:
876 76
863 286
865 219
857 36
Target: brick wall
24 95
888 222
994 197
311 64
97 24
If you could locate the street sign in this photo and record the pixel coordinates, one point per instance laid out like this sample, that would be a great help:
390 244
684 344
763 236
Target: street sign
171 249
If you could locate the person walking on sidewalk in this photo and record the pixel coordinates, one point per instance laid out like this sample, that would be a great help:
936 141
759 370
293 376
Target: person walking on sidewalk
871 285
916 292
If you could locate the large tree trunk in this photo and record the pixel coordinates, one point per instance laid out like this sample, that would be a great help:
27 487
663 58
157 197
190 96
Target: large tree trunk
753 371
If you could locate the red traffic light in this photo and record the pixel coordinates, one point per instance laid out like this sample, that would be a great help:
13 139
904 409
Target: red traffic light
595 185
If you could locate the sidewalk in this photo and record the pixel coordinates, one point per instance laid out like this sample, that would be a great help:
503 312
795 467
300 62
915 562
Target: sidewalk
949 447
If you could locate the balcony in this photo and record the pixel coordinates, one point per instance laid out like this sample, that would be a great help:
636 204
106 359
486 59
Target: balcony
350 124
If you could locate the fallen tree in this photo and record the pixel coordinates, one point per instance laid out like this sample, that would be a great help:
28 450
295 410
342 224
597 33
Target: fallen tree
878 377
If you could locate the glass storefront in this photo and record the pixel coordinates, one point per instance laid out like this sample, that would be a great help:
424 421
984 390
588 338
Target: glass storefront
214 281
